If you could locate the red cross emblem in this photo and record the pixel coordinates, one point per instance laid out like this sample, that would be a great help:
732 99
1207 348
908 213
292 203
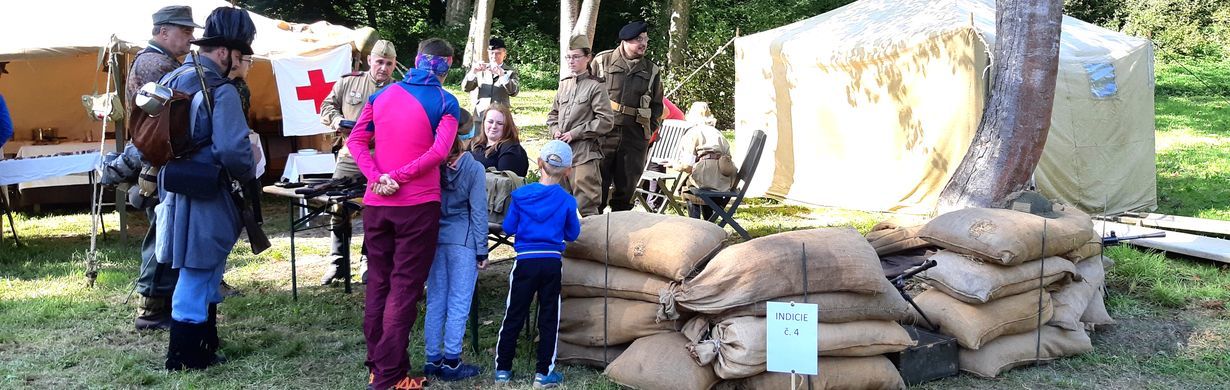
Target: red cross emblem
316 90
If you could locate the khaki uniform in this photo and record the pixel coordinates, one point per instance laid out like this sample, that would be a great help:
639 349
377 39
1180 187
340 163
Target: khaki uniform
582 109
705 155
345 102
635 90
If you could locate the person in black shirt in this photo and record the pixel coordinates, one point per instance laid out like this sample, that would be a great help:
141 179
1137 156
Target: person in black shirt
497 145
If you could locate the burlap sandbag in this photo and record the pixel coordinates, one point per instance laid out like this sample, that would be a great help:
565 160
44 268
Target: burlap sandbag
1008 237
836 373
974 281
581 322
1095 313
1072 300
585 279
738 346
660 362
837 306
664 245
570 353
771 266
1090 248
975 325
889 237
1017 350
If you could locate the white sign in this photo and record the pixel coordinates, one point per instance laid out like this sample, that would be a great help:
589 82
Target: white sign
791 336
303 84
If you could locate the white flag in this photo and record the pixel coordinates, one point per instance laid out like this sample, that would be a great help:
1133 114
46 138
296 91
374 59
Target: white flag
303 84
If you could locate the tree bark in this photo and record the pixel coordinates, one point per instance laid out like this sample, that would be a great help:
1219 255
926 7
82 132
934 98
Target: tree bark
1008 144
575 20
480 33
678 34
456 12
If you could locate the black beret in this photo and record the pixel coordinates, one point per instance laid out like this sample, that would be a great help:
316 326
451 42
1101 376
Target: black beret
495 43
632 30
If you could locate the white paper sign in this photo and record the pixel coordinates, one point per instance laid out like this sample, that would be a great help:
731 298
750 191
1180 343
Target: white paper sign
791 336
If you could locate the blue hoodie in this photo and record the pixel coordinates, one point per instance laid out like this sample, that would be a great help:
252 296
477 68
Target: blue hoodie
463 205
541 217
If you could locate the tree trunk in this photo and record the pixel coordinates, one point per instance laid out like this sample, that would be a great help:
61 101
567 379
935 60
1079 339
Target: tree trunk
456 12
575 20
678 34
370 10
1006 149
435 12
480 33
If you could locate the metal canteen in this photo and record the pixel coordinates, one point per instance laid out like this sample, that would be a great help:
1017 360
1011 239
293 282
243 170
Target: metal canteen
151 97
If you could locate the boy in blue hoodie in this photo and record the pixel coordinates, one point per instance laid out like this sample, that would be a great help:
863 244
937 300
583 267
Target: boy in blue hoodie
541 216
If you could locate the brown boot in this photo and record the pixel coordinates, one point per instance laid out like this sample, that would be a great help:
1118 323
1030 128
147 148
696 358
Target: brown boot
153 313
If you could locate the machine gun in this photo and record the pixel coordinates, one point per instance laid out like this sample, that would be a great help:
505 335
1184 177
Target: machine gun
1114 239
899 283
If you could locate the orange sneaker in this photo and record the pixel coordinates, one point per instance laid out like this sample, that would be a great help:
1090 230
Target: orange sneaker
409 383
371 377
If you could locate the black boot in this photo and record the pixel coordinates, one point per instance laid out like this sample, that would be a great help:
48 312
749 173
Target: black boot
186 350
211 343
337 270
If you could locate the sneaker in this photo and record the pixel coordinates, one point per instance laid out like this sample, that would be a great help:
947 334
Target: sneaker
431 369
548 381
461 371
363 269
503 376
411 383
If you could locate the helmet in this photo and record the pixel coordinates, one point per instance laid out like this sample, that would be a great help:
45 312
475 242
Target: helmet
230 28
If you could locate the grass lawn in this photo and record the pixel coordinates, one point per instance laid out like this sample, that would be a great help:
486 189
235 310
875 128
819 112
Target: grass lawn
56 333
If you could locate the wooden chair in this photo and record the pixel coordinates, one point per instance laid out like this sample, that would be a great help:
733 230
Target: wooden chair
665 149
742 181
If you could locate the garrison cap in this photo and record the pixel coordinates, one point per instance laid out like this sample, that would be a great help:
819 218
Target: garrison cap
578 42
385 49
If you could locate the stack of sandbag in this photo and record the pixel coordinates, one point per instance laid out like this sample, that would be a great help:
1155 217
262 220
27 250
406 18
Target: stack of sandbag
997 279
838 270
613 306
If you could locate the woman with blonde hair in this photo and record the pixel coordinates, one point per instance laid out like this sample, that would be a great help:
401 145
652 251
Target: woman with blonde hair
498 145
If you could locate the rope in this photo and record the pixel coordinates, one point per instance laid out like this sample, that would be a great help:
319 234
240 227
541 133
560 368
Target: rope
1041 290
702 65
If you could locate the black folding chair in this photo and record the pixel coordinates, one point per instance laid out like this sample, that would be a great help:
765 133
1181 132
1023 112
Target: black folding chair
656 190
742 181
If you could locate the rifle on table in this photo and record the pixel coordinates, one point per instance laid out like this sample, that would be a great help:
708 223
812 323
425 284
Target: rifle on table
1114 239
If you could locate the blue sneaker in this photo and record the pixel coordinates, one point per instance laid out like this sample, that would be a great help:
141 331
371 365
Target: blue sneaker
503 376
431 369
462 371
548 381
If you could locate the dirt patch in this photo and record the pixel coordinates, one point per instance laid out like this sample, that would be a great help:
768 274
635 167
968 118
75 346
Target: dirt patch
1145 336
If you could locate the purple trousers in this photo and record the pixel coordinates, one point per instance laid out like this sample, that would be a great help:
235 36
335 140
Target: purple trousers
401 243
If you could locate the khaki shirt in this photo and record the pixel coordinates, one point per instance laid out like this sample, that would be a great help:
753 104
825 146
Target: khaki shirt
705 154
633 84
346 101
485 88
583 110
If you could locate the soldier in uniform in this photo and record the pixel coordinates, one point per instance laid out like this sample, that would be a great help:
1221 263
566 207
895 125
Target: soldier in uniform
173 28
491 82
635 88
581 116
346 102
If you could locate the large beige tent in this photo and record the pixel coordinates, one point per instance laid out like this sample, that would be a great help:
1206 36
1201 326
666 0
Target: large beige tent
53 49
872 106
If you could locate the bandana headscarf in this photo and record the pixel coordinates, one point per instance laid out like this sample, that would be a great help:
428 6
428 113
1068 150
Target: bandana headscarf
437 66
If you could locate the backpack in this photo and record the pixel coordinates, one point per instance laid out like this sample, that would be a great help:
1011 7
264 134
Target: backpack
500 185
167 135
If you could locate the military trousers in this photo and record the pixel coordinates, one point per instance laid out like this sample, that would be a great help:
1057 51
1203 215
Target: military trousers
621 171
585 184
154 279
346 167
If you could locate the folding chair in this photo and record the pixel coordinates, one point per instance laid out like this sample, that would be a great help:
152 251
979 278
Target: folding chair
742 181
666 148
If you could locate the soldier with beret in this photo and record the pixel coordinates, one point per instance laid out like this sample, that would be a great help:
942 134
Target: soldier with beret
491 82
634 85
345 102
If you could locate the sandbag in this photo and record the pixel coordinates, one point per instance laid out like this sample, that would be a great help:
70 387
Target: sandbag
838 259
836 373
1090 248
1008 237
1072 300
836 306
1017 350
660 362
1095 313
570 353
585 279
737 347
665 245
581 321
973 281
975 325
889 237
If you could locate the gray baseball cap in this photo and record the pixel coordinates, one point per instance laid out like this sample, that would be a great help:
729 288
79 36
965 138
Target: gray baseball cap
179 15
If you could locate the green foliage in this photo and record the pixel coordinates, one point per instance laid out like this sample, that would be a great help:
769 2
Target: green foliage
1181 28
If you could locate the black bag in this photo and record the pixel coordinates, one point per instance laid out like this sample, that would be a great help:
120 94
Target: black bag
191 178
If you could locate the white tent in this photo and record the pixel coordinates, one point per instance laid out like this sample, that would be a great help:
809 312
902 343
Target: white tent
873 105
53 48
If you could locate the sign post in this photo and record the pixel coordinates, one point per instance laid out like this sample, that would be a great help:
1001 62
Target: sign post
791 337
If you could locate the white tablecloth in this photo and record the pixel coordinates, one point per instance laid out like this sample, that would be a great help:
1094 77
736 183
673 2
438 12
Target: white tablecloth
34 169
64 179
298 164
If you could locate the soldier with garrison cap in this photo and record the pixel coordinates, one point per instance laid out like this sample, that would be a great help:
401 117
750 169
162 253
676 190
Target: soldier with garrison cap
581 116
491 82
635 87
345 102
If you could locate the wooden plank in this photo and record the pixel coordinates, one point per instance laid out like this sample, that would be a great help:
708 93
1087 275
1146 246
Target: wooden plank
1174 222
1215 249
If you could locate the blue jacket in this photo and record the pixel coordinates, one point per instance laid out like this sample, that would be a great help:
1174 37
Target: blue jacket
542 218
6 122
200 232
463 205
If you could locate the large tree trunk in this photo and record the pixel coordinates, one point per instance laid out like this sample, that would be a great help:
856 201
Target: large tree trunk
1006 149
575 20
456 12
678 34
480 33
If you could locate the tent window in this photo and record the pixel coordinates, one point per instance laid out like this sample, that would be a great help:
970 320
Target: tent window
1102 80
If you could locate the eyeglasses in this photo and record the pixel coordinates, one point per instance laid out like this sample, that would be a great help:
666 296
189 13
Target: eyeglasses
575 58
246 59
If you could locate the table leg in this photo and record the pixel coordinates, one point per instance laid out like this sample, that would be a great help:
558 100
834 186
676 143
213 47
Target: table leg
294 284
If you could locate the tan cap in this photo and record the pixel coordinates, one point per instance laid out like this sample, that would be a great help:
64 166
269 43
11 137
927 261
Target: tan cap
384 49
578 42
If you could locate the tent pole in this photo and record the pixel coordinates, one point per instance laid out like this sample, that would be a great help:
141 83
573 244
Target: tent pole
118 76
